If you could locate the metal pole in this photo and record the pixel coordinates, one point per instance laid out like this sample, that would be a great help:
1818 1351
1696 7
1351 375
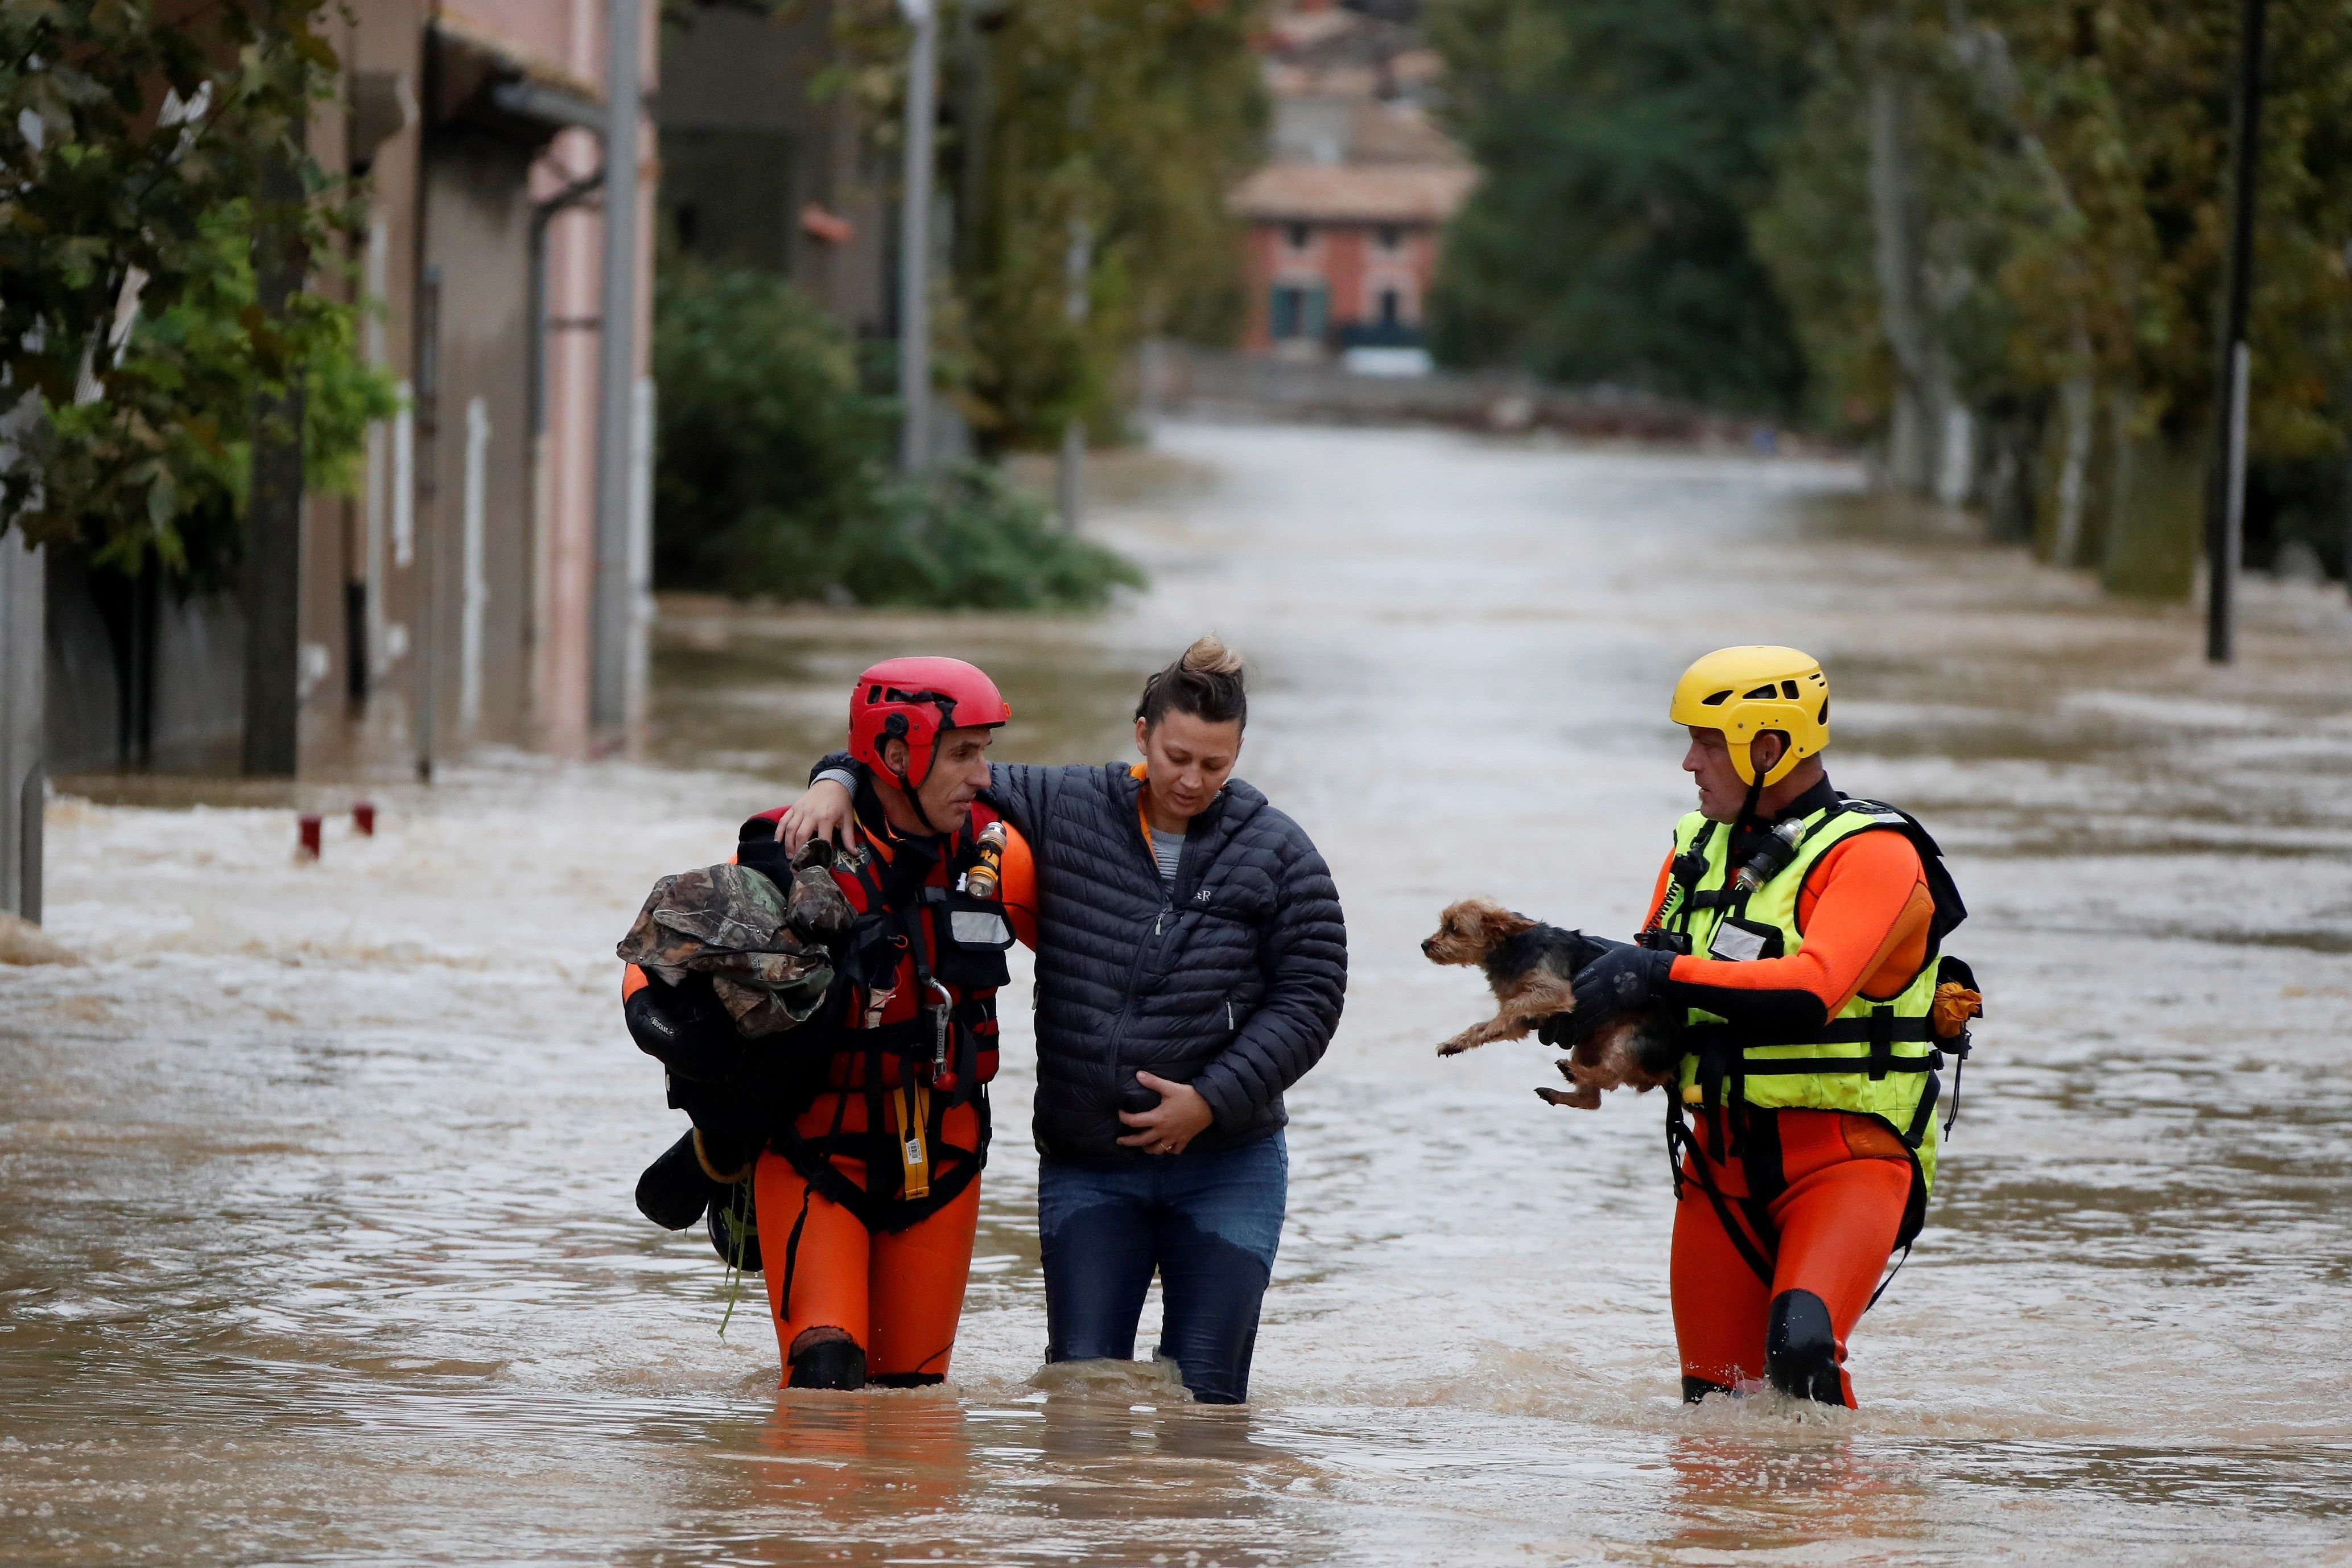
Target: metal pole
616 373
24 671
2225 512
915 239
426 329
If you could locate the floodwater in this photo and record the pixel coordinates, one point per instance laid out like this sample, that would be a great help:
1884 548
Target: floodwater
316 1242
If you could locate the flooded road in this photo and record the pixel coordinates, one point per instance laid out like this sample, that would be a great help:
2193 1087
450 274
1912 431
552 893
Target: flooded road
316 1241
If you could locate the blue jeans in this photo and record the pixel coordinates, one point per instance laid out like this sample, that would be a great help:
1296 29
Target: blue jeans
1209 1223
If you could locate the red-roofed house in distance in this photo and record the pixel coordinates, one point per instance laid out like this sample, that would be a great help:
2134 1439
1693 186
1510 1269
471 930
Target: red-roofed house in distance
1344 224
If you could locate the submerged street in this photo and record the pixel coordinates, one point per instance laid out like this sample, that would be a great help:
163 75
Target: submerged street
315 1237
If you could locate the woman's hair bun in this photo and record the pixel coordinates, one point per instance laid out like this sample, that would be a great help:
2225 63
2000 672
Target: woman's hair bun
1205 680
1209 656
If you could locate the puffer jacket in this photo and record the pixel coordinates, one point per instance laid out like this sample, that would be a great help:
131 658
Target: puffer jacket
1232 981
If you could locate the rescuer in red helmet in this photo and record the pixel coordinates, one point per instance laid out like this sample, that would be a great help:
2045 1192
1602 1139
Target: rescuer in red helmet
866 1191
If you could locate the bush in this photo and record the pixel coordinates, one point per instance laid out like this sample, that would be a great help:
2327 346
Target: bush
774 474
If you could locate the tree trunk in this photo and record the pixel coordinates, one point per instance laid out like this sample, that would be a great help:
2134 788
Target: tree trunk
2159 513
2077 398
273 546
1922 390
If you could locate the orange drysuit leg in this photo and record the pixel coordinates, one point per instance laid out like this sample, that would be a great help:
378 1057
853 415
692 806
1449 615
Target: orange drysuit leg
916 1291
1847 1183
1719 1303
895 1295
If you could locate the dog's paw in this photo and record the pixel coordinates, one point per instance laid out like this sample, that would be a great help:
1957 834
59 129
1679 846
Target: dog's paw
1456 1047
1582 1098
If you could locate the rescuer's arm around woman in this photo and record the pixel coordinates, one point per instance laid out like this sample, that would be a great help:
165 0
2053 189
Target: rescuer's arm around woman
1191 963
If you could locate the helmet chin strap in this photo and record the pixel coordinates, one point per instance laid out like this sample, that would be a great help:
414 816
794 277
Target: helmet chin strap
1747 818
915 803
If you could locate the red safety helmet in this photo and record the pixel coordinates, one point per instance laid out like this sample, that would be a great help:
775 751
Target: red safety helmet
912 700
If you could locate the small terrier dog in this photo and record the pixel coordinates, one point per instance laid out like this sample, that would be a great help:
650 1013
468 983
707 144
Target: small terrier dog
1532 968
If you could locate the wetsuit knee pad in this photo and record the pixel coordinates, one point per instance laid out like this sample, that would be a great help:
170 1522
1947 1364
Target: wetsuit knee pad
838 1363
1801 1349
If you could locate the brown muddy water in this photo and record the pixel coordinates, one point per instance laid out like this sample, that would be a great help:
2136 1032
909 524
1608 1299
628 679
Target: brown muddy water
316 1242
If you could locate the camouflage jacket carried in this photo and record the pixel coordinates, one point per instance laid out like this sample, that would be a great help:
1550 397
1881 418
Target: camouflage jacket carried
765 948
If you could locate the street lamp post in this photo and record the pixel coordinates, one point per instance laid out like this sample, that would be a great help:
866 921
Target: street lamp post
617 374
2225 514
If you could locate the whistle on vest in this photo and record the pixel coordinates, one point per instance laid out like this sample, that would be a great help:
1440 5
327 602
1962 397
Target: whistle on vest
913 1109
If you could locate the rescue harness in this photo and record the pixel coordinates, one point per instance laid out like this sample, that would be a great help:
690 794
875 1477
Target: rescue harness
1721 1063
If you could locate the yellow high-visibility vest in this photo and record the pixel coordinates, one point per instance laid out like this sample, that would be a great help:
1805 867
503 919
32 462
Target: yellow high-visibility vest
1876 1057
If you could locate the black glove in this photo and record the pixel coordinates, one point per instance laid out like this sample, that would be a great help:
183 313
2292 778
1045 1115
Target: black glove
1560 1028
1619 981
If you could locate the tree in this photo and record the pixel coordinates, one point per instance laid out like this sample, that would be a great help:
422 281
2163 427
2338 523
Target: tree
773 473
134 136
1128 120
1622 144
2065 204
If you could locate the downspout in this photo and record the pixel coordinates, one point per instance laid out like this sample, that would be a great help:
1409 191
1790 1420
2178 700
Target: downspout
535 329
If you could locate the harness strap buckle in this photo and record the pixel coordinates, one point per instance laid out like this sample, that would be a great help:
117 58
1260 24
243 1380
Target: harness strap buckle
1882 1042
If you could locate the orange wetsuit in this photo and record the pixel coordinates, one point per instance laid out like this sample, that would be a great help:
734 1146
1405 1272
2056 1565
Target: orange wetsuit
866 1285
1835 1185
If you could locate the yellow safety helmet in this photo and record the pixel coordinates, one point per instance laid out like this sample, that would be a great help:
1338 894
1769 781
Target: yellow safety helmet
1744 692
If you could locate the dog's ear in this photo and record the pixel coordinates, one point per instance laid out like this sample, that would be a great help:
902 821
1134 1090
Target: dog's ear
1499 924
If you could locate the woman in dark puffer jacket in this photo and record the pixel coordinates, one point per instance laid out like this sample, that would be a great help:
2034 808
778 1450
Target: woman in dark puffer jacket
1191 967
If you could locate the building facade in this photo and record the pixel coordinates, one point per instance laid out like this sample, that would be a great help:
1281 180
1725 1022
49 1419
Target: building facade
449 602
1343 226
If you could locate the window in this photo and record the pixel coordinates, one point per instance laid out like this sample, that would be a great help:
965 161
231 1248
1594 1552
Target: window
1296 311
1389 237
1392 308
1299 236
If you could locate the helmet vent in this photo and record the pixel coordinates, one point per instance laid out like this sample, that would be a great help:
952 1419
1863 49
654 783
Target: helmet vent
1823 716
1716 700
1788 690
1766 693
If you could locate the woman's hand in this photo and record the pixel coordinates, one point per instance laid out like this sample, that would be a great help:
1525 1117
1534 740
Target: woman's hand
824 811
1181 1116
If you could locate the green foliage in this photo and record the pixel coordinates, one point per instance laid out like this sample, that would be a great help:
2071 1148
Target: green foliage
773 473
964 538
1131 118
2073 205
134 138
201 363
1622 143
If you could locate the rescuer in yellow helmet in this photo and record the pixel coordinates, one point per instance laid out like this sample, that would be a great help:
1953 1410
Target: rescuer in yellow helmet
1800 934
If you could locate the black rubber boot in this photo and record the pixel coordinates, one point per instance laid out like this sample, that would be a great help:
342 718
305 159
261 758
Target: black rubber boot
673 1190
1801 1349
830 1363
733 1217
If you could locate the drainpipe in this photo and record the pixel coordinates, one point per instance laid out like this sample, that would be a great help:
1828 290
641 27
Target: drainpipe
535 327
